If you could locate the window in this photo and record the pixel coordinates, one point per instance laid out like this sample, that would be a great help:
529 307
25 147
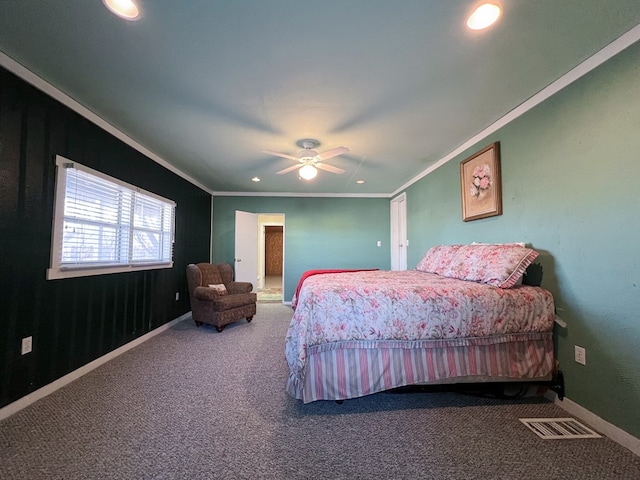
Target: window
103 225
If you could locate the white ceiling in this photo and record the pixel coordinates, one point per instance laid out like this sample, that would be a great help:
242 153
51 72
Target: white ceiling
207 85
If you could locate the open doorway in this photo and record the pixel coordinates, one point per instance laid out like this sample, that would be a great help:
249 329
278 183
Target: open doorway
271 257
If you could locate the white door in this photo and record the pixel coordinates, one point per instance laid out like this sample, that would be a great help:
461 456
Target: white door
399 240
246 248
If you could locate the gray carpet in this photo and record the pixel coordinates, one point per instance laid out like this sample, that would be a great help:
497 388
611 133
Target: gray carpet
192 403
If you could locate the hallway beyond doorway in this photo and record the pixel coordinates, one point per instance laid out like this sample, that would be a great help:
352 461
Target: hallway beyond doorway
272 291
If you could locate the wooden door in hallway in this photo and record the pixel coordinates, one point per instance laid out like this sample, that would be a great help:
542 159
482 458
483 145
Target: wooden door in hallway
273 250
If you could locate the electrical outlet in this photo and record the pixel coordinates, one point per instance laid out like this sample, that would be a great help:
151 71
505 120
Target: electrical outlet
581 355
27 344
177 296
379 243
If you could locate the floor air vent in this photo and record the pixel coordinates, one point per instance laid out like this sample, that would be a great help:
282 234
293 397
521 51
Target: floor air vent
558 428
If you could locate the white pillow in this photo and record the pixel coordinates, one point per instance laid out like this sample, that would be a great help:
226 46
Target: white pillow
219 287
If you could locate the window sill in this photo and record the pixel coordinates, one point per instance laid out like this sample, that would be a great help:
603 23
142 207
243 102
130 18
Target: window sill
66 272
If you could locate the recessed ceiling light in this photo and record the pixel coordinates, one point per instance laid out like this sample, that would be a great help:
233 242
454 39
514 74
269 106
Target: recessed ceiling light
126 9
255 179
359 182
483 16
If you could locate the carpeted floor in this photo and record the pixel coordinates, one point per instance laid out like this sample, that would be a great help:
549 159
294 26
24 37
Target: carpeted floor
192 403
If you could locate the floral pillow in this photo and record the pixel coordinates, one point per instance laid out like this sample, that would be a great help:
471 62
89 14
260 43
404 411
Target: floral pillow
438 259
220 288
498 265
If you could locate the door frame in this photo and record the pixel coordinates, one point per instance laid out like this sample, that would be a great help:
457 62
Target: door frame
261 249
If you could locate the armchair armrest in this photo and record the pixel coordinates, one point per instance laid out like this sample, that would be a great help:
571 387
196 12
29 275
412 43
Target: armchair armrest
206 293
239 287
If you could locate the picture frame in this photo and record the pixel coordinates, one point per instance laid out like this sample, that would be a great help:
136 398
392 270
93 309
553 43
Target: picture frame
481 184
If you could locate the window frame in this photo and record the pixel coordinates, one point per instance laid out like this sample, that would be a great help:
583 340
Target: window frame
59 269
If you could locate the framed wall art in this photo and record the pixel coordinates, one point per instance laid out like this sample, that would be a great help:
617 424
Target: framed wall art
481 185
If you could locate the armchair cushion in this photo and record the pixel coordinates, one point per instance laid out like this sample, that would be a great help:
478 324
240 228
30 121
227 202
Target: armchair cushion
227 302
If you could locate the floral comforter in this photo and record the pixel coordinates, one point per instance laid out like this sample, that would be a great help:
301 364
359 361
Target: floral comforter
408 305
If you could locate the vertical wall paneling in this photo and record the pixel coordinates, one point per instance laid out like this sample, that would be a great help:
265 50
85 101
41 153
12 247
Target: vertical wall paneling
74 321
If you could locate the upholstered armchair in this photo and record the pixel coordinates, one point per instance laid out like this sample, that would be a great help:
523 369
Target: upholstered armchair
215 298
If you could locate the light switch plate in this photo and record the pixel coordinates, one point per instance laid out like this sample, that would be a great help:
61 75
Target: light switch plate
581 355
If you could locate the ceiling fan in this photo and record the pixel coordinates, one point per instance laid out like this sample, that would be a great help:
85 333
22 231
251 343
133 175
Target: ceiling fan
310 160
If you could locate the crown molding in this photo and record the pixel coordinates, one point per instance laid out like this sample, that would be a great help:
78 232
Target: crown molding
597 59
41 84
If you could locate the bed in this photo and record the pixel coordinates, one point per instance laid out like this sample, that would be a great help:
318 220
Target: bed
461 316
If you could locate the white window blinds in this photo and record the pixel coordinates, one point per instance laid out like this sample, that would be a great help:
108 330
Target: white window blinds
104 225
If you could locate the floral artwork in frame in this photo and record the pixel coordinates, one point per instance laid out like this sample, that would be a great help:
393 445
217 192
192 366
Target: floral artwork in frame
480 183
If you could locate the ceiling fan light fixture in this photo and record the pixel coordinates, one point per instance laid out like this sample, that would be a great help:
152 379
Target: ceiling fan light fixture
126 9
308 172
484 16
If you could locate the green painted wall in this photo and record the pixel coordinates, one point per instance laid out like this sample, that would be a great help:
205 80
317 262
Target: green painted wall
319 232
571 189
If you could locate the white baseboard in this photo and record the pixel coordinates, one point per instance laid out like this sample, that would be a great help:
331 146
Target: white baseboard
27 400
608 429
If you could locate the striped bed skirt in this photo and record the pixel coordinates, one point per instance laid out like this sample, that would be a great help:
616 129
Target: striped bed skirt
349 369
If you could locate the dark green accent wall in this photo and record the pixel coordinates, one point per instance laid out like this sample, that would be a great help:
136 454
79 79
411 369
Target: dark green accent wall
75 321
571 189
319 232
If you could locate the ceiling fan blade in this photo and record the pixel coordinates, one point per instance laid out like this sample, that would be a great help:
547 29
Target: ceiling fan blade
289 169
329 168
280 154
334 152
